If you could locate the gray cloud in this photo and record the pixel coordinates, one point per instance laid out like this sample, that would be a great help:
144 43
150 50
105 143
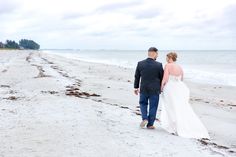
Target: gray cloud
69 16
146 21
229 18
150 13
219 26
117 6
7 7
200 25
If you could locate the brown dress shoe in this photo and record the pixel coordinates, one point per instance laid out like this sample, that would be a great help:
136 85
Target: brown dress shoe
151 127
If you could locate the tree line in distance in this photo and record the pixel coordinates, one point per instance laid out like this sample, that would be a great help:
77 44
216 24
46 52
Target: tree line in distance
23 44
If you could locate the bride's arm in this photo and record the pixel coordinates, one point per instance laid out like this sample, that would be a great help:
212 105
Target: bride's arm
182 74
165 77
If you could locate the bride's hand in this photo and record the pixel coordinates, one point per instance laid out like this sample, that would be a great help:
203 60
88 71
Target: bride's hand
136 91
162 87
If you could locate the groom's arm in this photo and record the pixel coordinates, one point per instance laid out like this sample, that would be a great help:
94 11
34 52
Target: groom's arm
137 79
161 74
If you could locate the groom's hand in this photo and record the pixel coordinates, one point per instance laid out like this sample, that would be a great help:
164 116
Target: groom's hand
136 91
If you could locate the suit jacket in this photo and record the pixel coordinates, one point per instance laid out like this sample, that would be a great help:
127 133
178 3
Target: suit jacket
151 73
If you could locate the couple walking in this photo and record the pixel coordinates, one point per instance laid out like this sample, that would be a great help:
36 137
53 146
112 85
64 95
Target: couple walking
155 85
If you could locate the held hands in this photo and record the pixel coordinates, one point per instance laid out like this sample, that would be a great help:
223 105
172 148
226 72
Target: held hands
162 87
136 91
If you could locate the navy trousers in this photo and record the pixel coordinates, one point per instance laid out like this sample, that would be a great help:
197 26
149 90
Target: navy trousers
152 101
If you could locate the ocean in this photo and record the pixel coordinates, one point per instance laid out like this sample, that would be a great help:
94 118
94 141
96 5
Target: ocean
205 66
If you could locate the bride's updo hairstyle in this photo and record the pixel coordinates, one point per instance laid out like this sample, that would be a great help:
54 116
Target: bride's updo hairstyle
172 55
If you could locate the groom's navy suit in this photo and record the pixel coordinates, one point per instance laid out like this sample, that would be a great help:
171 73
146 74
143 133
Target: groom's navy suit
150 72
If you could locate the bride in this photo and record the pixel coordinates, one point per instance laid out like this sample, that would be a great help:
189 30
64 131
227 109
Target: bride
177 115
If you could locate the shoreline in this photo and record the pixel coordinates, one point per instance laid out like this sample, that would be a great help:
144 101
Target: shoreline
192 84
100 98
194 73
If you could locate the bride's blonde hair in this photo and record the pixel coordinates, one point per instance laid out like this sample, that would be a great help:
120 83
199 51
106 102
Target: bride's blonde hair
172 55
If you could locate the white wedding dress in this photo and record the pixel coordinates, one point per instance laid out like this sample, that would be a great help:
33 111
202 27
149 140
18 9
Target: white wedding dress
177 115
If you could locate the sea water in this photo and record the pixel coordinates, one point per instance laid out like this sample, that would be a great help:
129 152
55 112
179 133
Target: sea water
204 66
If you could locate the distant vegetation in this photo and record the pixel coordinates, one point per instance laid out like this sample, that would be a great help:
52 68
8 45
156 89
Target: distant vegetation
23 44
28 44
11 44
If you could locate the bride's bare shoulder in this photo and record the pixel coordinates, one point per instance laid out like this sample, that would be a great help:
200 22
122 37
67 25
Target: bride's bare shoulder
179 66
168 65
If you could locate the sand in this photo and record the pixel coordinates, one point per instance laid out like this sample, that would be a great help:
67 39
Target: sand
54 106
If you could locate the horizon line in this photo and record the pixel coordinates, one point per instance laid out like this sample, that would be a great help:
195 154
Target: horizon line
101 49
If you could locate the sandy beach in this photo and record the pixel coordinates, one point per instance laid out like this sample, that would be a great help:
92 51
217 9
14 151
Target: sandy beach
51 106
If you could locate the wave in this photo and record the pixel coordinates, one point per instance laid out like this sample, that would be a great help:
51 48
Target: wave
209 72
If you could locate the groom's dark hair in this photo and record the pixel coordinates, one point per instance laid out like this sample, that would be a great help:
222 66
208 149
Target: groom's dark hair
151 49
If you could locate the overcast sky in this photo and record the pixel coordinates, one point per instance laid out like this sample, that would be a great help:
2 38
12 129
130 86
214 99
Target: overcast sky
121 24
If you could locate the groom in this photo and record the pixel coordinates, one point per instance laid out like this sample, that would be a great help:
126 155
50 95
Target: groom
150 72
